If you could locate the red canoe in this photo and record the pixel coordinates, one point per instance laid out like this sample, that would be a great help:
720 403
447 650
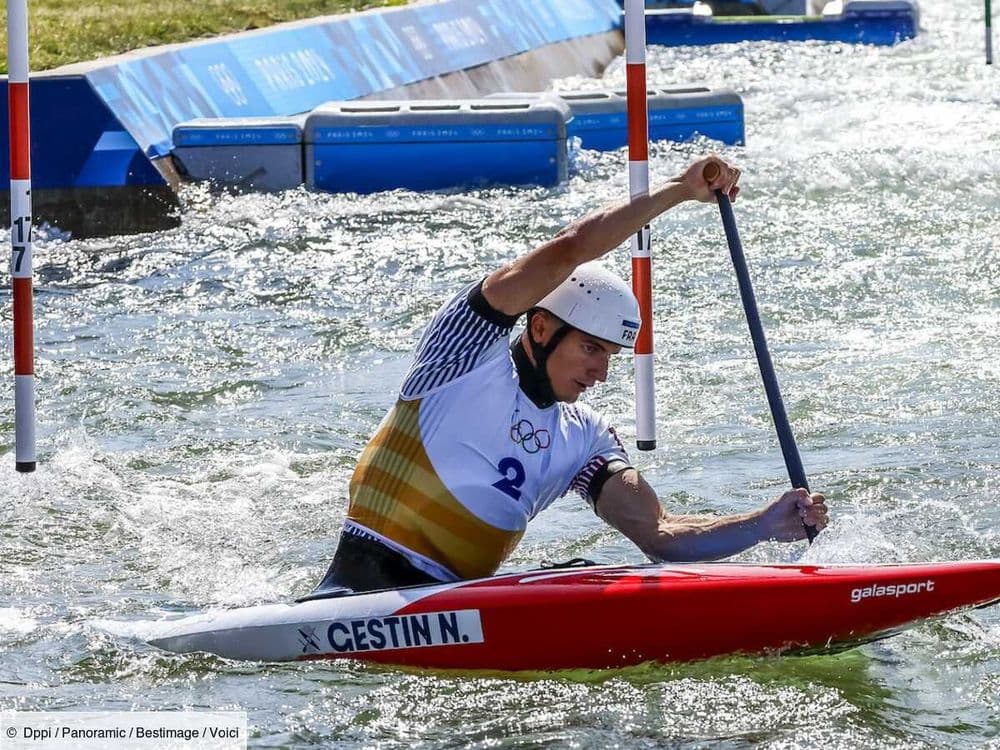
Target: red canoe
597 617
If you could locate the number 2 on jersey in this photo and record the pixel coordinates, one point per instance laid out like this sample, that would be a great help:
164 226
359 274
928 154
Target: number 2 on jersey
513 477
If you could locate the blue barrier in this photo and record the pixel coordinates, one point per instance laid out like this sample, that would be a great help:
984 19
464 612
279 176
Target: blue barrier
735 7
882 22
255 153
510 137
295 68
600 116
600 119
77 141
372 146
89 175
101 124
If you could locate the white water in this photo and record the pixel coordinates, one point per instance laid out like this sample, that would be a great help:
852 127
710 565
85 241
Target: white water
203 394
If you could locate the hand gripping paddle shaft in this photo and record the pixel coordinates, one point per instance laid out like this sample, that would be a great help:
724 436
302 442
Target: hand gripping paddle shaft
785 437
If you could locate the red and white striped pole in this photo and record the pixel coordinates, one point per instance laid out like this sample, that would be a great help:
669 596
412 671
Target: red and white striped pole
638 182
20 234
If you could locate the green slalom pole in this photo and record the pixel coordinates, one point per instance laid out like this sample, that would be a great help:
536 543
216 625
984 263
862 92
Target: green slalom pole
989 34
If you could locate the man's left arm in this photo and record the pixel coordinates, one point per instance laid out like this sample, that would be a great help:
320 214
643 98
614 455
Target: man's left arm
629 504
521 284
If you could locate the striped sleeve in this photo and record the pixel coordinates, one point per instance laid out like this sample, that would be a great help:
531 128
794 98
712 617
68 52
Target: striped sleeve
463 334
608 457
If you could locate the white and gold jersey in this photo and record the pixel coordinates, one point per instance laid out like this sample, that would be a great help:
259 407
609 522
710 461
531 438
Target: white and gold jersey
465 458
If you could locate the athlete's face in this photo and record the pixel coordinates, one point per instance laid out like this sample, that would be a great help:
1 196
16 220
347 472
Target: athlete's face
579 361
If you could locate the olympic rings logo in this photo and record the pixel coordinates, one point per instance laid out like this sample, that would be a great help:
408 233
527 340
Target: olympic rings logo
532 440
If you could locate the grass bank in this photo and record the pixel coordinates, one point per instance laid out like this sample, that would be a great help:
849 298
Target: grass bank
67 31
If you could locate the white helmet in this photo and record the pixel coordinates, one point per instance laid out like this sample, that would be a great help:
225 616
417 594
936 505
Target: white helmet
595 301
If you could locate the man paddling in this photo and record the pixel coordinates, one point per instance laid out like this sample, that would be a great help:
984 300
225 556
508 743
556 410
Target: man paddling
486 434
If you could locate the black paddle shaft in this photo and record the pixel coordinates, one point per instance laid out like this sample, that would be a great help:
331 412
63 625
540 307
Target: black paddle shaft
789 450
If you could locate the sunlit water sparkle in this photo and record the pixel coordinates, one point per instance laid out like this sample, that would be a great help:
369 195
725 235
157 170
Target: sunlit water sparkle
204 392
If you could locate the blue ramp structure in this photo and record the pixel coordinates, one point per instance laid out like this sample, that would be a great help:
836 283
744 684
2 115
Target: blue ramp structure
87 169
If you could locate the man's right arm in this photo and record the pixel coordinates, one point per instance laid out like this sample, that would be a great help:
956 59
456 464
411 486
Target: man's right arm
519 286
629 504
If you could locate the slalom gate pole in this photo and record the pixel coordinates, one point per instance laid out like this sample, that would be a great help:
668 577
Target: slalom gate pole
989 33
638 182
793 463
20 234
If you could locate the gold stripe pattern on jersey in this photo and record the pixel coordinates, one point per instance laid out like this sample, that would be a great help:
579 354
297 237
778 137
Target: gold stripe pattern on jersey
396 493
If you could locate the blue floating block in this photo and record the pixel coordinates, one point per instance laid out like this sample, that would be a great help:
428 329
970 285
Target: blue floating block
370 146
882 22
600 116
259 153
735 7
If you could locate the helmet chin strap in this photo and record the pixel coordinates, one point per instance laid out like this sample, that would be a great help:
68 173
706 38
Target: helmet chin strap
540 353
